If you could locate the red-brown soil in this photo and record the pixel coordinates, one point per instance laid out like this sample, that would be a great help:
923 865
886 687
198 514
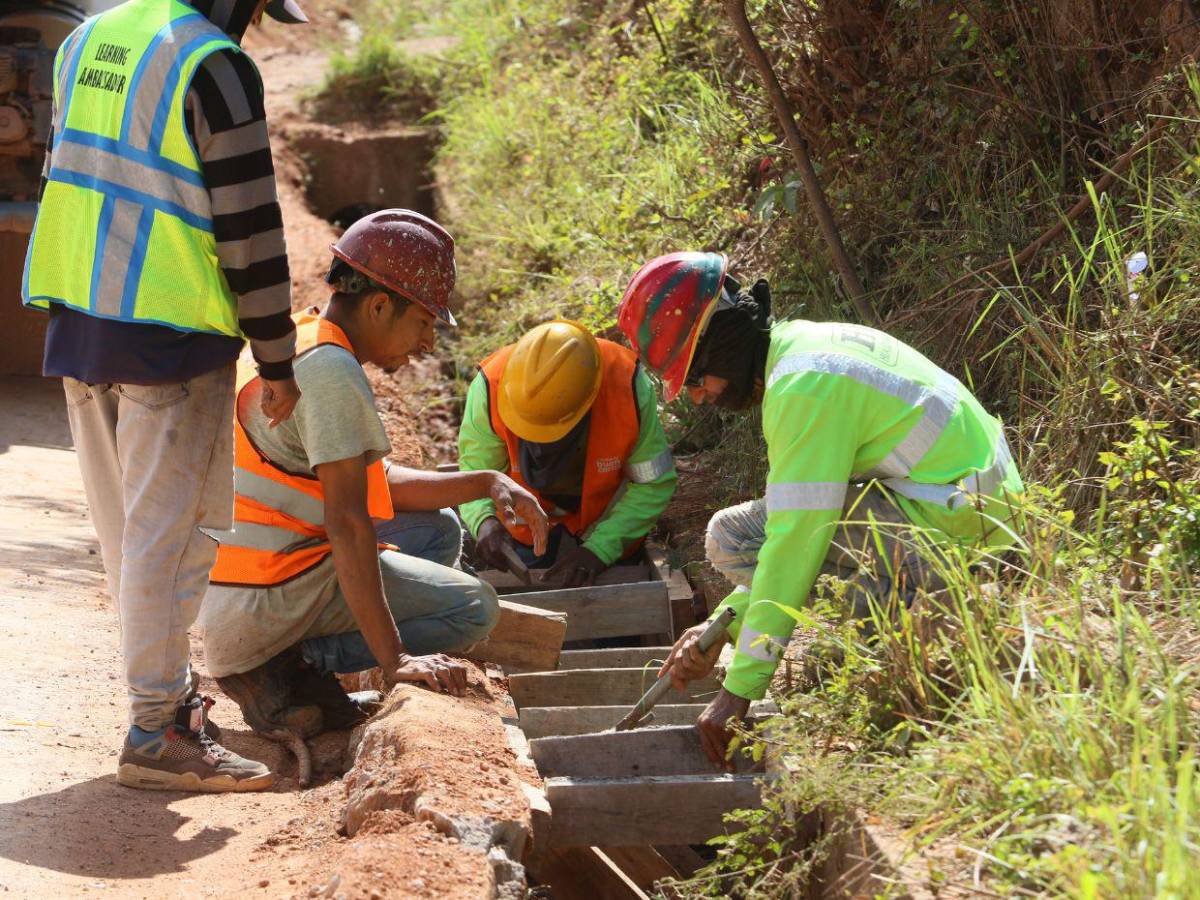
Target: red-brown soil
66 827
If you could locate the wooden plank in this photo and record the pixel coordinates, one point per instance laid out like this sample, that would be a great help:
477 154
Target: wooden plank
583 873
508 583
683 809
606 610
669 750
613 658
543 721
547 721
644 866
594 687
681 599
525 639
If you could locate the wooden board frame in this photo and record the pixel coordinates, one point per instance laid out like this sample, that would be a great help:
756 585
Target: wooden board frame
603 611
552 721
683 809
668 750
599 687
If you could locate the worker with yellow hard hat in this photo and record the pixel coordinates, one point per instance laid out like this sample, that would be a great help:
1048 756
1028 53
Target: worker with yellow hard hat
573 419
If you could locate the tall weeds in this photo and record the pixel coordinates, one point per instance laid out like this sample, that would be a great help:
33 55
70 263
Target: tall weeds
1035 726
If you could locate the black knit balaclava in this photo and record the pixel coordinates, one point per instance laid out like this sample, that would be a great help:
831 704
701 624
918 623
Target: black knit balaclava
735 343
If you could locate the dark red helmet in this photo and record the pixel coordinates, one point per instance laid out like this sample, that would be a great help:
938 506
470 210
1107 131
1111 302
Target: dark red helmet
405 252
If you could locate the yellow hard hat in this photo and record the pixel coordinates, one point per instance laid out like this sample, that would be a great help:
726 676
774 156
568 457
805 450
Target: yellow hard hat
551 379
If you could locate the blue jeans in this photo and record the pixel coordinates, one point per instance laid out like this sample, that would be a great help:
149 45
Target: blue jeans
437 608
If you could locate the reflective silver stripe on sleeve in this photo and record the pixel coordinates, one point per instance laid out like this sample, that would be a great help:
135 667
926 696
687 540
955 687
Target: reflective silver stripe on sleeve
279 496
759 646
254 536
651 469
805 495
102 164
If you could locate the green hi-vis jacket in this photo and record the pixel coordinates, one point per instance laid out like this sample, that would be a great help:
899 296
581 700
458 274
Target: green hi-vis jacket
844 404
124 230
649 484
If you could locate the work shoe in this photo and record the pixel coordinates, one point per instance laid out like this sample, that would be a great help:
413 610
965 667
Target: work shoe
286 693
183 758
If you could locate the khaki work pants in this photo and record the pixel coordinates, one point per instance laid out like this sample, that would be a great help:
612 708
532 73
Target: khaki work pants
157 465
872 560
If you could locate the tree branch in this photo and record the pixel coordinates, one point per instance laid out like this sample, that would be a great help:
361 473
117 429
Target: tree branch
736 10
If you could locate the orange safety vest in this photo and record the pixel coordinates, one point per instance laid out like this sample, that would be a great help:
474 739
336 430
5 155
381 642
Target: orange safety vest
279 516
611 438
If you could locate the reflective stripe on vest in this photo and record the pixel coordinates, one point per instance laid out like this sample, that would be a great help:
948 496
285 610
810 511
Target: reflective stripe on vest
612 436
937 402
125 195
279 517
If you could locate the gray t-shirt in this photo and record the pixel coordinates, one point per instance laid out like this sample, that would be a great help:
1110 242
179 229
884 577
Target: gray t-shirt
335 418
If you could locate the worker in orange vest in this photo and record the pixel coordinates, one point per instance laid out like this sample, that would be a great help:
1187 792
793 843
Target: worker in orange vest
575 420
339 561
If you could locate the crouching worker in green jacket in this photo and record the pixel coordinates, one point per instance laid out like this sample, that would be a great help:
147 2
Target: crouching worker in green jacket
574 420
858 427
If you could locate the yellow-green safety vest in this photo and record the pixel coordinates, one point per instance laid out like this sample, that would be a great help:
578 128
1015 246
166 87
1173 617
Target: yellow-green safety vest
124 230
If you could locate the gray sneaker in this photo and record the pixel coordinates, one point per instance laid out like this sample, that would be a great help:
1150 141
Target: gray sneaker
184 758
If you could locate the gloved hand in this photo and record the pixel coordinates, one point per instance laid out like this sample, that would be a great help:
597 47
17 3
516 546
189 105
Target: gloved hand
576 568
488 541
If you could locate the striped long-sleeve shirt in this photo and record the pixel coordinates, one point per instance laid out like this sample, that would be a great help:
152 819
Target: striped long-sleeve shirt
226 118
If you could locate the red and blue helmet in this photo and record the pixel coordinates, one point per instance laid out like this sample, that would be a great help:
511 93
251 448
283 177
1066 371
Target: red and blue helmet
665 309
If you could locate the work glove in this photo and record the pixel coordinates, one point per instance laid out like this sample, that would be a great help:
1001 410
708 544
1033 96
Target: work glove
489 540
575 568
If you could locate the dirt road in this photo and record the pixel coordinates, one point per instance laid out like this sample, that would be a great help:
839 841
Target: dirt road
66 827
65 824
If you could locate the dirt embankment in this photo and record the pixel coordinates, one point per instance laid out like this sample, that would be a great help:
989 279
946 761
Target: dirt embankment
66 827
326 171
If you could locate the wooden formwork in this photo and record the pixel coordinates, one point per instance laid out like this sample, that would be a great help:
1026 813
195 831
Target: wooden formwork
620 808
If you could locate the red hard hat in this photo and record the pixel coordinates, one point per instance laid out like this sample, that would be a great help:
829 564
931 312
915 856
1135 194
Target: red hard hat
665 309
405 252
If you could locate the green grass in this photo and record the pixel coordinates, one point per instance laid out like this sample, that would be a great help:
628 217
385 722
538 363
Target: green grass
1043 744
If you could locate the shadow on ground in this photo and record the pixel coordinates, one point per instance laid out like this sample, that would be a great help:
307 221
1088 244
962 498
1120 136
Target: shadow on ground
100 833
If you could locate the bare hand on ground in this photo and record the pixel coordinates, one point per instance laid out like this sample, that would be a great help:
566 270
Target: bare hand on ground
436 671
687 661
279 399
576 568
514 503
714 723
